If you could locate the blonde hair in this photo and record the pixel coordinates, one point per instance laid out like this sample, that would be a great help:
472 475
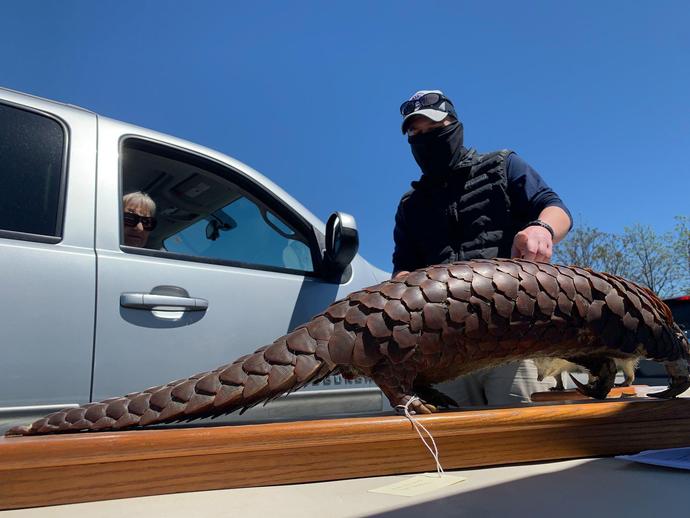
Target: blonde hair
140 199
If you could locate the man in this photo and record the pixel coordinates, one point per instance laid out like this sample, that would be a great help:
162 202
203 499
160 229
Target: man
468 205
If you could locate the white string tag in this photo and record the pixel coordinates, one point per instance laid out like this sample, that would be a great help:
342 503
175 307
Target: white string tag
425 482
417 426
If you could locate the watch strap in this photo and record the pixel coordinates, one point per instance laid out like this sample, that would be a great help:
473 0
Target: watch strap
540 223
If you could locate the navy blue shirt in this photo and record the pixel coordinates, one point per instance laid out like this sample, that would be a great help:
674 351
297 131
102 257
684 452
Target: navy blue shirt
529 193
529 196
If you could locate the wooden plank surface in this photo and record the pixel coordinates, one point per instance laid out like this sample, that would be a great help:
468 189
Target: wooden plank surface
574 395
37 471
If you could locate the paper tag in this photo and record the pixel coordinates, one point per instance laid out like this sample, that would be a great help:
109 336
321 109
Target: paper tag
418 485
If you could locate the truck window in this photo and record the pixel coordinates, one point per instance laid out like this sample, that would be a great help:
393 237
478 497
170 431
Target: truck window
207 212
32 151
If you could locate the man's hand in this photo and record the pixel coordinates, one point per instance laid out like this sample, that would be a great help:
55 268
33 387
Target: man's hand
397 275
534 244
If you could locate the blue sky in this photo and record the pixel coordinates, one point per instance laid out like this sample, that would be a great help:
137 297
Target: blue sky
594 95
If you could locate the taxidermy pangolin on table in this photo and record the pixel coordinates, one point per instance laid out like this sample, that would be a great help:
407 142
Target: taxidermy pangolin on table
430 326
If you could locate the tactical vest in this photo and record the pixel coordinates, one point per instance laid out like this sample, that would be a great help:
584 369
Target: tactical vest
467 217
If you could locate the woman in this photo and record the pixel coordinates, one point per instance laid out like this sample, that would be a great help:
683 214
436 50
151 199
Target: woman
139 218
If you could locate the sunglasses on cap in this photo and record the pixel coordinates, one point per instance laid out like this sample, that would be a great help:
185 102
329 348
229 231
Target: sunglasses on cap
431 99
132 220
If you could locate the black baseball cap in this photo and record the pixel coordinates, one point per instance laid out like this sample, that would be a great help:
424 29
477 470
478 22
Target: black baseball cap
432 104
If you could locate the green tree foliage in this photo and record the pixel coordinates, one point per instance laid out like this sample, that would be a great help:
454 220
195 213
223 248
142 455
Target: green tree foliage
659 261
591 248
682 246
654 261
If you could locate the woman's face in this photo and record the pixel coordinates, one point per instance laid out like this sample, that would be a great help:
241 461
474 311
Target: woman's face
136 235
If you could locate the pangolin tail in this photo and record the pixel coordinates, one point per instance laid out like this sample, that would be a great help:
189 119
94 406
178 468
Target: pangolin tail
290 362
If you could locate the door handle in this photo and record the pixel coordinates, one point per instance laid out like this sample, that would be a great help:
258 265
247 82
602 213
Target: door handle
163 298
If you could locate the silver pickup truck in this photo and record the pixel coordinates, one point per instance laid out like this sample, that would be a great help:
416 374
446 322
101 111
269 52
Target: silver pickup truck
232 263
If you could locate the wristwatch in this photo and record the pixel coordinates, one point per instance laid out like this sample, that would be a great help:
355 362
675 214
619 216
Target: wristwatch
540 223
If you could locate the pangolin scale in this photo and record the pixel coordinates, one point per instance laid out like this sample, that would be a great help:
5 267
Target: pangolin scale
430 326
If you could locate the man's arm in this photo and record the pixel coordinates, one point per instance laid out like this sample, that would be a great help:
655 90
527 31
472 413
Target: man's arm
558 219
535 200
404 253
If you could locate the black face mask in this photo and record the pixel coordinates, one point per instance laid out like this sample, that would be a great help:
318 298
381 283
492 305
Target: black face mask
438 150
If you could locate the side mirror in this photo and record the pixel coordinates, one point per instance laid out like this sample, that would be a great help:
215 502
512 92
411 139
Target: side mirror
342 242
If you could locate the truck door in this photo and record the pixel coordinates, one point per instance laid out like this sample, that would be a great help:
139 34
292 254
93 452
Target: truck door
47 260
228 265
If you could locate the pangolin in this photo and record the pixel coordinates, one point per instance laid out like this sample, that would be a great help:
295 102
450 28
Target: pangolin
407 334
555 367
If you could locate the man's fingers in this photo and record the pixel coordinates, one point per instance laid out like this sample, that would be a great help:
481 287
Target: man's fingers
530 249
533 244
520 240
519 245
530 255
548 252
544 252
516 251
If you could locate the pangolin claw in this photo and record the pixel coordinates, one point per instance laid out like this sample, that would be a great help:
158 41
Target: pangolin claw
672 391
580 387
415 406
435 397
594 390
